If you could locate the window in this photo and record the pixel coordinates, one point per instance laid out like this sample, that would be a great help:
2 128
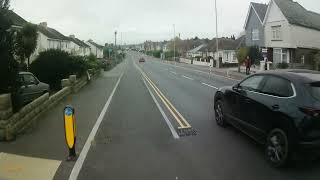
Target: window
277 86
29 79
315 90
284 55
252 83
276 32
255 34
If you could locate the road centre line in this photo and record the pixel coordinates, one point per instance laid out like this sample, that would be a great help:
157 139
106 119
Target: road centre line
173 131
209 85
78 165
165 103
187 77
173 72
175 113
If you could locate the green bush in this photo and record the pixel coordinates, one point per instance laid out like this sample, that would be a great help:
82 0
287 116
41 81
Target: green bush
282 65
93 63
53 65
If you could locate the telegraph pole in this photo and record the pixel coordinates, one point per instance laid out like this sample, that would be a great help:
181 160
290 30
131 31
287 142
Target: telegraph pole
174 43
217 41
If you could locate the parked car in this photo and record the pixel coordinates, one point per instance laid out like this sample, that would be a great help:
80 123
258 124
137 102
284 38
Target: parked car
31 88
279 109
142 60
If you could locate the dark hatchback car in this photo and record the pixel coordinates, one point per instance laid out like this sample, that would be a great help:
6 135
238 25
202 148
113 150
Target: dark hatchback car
279 109
142 60
31 88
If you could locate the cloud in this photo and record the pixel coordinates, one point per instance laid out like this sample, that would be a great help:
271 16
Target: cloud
140 20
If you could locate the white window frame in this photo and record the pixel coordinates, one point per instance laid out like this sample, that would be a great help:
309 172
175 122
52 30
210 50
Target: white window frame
281 53
255 35
276 32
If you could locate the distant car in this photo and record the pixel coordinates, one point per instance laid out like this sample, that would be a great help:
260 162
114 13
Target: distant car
142 60
31 88
279 109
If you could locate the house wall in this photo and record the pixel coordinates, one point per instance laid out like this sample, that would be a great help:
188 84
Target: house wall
305 37
96 51
228 56
276 18
44 43
75 49
254 23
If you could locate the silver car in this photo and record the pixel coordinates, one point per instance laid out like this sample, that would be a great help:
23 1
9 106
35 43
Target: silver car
31 88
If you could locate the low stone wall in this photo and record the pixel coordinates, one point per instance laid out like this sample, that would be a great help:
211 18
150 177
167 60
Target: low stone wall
27 116
187 61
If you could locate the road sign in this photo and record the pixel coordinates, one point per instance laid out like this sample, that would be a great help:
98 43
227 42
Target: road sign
70 131
264 50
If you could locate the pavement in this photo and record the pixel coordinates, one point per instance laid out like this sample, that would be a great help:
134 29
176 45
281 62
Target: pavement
150 120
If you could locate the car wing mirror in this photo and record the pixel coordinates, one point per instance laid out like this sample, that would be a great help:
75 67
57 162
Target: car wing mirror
236 87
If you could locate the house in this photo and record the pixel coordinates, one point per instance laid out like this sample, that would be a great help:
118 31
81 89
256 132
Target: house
195 52
291 33
17 21
78 47
49 38
226 49
96 49
253 26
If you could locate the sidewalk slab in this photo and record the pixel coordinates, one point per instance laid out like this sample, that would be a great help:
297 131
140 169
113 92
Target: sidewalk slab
47 140
26 168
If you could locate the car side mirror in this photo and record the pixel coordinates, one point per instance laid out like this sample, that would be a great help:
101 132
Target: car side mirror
236 87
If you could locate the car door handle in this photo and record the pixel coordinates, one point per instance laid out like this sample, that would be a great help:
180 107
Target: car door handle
275 107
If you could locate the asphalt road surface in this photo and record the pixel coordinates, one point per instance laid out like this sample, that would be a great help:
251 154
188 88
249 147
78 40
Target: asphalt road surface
152 120
154 102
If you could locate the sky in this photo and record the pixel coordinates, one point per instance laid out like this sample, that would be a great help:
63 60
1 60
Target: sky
140 20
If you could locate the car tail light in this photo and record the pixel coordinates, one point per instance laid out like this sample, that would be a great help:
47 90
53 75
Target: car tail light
310 111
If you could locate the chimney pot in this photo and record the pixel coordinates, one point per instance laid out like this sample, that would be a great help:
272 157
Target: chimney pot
44 24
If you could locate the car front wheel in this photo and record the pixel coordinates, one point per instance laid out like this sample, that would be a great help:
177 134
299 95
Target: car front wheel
219 115
277 148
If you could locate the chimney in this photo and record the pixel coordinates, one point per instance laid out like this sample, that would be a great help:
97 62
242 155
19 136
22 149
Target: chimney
44 24
72 36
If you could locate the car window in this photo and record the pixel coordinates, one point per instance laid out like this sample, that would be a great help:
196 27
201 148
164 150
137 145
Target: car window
252 83
277 86
315 90
29 79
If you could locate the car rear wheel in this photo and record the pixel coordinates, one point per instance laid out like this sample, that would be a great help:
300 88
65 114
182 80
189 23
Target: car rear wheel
219 115
277 148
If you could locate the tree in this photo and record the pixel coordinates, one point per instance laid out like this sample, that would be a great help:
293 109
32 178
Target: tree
242 53
26 42
255 54
8 65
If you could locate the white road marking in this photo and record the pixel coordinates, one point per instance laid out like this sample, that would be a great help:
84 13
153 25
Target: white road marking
78 165
195 70
173 72
173 131
187 77
209 85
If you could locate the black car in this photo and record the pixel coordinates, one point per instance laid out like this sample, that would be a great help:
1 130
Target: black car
279 109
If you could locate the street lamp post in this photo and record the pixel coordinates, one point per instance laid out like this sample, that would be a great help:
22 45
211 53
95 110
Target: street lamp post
217 40
174 43
115 38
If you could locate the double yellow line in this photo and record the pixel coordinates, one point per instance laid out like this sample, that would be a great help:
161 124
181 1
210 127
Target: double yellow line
183 123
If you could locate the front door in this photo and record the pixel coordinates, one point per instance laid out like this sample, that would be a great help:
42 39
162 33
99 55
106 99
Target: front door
244 103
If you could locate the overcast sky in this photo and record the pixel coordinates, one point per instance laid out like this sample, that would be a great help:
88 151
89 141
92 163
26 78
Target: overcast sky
140 20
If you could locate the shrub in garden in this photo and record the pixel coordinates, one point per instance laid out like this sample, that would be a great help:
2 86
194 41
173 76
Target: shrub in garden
282 65
93 63
53 65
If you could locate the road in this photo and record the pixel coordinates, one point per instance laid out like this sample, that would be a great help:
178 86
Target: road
155 120
134 140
